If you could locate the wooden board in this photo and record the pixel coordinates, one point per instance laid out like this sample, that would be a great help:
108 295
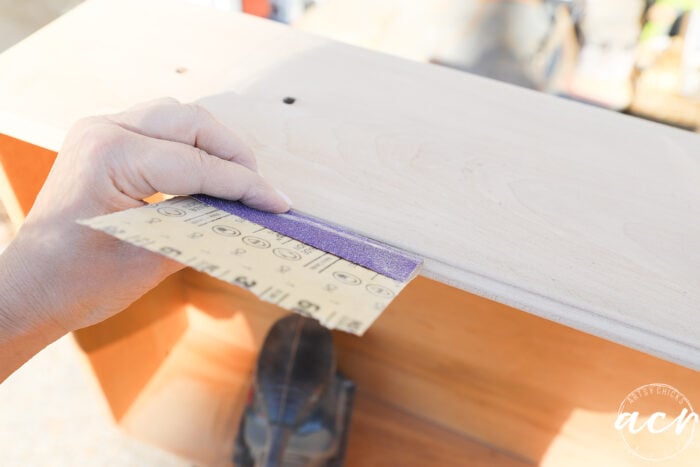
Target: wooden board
193 402
542 391
21 178
582 216
174 368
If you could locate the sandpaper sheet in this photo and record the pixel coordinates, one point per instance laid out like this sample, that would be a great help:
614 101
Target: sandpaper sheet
290 273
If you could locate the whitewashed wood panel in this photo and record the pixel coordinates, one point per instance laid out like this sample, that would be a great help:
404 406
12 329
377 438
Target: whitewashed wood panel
575 214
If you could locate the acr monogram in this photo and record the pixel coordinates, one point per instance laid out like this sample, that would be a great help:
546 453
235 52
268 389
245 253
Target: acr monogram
656 421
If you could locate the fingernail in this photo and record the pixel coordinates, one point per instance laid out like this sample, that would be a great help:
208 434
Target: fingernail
284 197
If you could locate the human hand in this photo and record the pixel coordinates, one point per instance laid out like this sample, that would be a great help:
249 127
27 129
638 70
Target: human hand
75 276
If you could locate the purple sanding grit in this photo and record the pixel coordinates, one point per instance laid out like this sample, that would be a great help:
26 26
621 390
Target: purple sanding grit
378 257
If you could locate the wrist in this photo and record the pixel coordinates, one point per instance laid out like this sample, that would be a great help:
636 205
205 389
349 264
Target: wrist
25 324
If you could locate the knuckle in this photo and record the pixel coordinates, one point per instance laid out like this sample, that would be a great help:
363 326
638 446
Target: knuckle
153 112
85 126
195 108
201 158
197 118
198 113
203 166
158 105
101 139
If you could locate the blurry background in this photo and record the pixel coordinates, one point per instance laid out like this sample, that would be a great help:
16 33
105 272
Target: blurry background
636 56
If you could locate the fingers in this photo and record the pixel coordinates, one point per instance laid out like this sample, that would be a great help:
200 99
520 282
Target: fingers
180 169
167 119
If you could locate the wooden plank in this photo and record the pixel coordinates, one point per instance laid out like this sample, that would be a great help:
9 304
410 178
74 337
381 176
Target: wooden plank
23 169
382 435
537 389
575 214
127 349
193 402
463 363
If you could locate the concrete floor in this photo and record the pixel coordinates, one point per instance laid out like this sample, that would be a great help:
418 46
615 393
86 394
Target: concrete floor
52 414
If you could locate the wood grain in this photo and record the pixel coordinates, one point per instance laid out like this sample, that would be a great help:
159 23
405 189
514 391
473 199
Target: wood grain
525 385
127 349
194 400
582 216
382 435
175 365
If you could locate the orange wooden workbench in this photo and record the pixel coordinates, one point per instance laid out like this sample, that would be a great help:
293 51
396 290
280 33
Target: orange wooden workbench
445 376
